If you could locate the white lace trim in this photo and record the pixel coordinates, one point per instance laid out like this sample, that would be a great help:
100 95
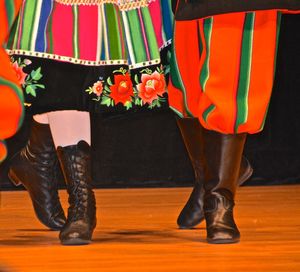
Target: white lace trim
81 61
123 4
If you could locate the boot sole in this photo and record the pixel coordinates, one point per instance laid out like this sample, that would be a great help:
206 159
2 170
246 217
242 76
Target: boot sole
190 226
222 241
13 178
75 242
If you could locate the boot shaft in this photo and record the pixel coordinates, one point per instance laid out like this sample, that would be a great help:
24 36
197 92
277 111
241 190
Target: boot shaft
191 132
41 152
38 156
40 139
75 162
223 154
214 156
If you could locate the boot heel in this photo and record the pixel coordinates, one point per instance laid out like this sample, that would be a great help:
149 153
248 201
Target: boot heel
13 178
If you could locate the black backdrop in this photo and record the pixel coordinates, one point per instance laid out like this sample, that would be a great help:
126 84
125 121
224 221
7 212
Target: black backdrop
146 150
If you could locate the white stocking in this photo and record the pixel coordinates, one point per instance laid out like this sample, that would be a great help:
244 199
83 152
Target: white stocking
41 118
69 127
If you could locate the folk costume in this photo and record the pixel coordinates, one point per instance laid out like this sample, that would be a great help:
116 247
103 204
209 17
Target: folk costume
98 56
222 73
78 56
11 98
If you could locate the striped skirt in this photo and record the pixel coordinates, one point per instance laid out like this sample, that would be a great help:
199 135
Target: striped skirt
222 70
98 55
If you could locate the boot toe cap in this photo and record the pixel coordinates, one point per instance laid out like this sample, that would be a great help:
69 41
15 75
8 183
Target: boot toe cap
76 233
223 236
54 221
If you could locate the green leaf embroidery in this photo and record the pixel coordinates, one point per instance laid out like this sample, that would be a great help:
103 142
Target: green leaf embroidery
128 105
121 70
36 74
30 89
106 101
147 71
107 89
40 86
136 79
89 90
109 81
137 101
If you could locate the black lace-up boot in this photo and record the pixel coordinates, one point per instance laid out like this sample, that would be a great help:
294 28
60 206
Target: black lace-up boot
36 167
192 213
76 164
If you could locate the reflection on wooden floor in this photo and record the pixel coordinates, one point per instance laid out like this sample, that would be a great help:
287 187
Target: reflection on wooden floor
136 231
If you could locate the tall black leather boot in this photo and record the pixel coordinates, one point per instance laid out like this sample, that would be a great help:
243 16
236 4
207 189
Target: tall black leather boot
76 164
36 167
220 183
192 213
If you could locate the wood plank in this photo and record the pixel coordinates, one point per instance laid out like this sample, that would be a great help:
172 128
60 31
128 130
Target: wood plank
137 231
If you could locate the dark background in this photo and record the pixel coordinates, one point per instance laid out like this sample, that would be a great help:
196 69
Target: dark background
146 150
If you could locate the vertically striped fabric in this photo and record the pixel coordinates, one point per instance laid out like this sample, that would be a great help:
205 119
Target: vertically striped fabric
223 69
199 9
11 110
92 33
105 56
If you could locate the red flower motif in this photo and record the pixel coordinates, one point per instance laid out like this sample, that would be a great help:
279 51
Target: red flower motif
151 86
97 88
122 90
19 72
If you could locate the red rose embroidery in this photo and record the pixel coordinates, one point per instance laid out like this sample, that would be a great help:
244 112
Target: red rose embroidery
19 72
122 90
151 86
97 88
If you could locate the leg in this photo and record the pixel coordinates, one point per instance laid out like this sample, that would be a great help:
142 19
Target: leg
228 90
74 153
192 213
36 167
70 127
220 183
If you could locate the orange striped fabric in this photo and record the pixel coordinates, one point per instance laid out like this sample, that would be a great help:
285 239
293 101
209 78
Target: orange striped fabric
11 99
222 70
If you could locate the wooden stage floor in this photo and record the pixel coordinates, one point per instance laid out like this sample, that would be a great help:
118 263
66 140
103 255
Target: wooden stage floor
137 231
